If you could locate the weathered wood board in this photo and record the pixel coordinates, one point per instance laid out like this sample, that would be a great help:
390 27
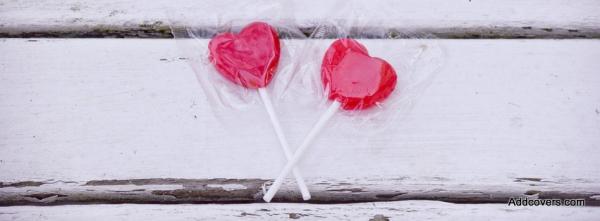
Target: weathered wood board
497 112
406 210
445 19
326 191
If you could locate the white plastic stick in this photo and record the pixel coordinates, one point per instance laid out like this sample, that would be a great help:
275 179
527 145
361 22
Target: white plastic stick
305 144
283 141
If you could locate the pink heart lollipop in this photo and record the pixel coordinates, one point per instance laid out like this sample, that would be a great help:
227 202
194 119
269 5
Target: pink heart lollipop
250 59
354 80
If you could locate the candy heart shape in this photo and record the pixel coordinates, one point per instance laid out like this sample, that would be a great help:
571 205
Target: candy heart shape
249 58
355 79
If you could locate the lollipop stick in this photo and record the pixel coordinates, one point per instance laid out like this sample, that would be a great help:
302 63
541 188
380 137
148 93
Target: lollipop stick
283 141
305 144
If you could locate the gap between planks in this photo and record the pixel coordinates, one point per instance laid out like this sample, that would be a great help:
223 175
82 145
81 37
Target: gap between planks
324 191
372 19
159 29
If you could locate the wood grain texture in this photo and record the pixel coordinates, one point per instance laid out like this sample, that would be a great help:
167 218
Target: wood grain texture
201 191
120 109
398 19
382 211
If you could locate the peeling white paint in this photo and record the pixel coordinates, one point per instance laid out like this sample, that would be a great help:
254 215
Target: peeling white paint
404 210
116 114
228 187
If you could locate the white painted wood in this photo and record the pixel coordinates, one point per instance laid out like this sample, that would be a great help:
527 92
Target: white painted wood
406 210
85 109
326 190
405 13
306 143
266 100
448 18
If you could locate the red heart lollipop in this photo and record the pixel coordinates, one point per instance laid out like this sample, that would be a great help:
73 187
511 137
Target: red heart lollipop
354 78
248 58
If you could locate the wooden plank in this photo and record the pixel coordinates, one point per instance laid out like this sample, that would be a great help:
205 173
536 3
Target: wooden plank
201 191
498 110
407 210
461 19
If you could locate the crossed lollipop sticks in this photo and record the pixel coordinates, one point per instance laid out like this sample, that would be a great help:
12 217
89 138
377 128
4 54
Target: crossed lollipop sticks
354 81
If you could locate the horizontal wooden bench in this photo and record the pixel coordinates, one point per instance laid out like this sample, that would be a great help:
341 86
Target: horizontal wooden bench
285 211
105 121
104 102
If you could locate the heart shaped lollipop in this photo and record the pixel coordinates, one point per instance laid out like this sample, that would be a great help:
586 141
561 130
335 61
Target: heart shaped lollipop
249 58
354 80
